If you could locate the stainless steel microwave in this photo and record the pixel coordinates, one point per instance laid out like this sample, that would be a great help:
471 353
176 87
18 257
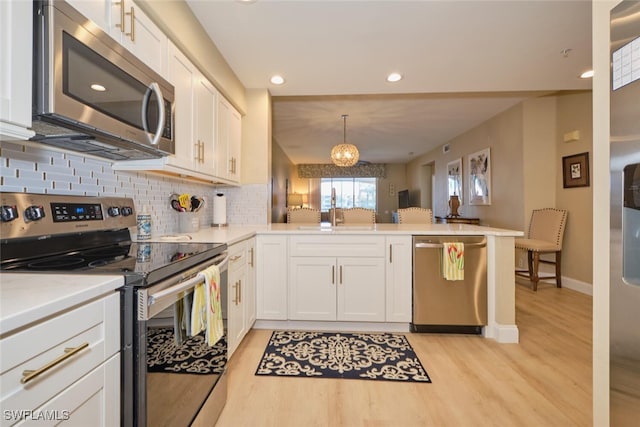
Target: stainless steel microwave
92 95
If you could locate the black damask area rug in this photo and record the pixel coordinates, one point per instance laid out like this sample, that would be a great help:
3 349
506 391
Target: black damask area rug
193 356
339 355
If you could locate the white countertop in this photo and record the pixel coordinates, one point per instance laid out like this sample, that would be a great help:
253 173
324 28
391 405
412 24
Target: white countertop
26 298
235 233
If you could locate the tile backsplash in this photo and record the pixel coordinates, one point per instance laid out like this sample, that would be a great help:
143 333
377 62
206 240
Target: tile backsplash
32 168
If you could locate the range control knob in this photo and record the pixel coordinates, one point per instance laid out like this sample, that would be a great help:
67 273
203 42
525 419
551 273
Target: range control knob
8 213
113 211
34 213
126 211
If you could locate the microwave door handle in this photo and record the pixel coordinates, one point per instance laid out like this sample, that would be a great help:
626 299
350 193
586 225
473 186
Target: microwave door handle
155 88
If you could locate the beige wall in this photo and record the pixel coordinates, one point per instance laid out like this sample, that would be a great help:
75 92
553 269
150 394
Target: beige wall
574 113
503 135
526 143
281 172
256 138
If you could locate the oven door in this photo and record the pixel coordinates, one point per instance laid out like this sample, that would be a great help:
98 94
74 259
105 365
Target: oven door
176 373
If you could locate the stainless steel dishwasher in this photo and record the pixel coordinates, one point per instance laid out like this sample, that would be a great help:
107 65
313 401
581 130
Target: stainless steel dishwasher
449 306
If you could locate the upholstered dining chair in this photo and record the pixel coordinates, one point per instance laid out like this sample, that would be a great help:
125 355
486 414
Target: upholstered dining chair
415 216
303 215
546 232
358 216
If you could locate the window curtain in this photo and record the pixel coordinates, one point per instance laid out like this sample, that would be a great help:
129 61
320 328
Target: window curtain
366 170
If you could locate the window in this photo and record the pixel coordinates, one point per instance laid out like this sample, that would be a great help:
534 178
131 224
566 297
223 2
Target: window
350 193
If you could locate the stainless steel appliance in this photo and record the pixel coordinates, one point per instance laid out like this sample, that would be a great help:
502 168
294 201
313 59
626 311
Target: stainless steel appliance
90 235
92 95
625 215
440 305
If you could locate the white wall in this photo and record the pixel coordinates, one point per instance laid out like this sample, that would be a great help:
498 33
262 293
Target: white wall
601 63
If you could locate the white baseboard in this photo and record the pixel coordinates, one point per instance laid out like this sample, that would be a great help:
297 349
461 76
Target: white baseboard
307 325
504 334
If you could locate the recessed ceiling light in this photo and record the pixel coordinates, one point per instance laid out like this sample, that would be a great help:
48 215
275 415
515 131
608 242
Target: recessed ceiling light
587 74
98 87
394 77
277 80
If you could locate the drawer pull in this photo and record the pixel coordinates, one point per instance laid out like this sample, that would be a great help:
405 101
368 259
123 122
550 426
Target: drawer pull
235 258
28 375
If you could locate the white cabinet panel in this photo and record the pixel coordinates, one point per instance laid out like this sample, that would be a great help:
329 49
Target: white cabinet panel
271 277
236 320
398 277
312 294
361 289
15 69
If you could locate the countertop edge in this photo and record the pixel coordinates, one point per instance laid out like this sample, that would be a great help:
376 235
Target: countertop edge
25 299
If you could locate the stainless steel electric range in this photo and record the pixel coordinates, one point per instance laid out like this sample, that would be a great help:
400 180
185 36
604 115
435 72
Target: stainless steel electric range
90 235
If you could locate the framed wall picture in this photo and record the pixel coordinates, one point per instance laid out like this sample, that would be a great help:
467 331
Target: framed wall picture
479 167
454 179
575 170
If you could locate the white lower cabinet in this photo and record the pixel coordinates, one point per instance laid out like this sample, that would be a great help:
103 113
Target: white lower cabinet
74 362
241 294
271 276
336 277
344 289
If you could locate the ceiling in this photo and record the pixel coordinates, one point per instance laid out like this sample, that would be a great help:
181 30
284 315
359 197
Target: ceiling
463 62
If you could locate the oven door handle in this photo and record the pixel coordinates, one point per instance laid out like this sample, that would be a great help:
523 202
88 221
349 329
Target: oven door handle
167 296
170 292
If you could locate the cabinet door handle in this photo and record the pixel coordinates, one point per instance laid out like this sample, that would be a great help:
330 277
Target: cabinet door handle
121 24
251 258
196 156
235 286
28 375
390 254
333 274
231 165
341 275
132 34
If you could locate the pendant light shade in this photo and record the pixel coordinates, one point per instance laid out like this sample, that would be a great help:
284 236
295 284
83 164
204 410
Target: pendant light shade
345 154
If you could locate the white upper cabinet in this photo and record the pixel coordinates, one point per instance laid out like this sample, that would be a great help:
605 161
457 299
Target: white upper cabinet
183 75
228 141
15 69
131 27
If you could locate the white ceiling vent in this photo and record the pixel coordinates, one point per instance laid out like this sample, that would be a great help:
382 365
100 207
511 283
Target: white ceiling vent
446 148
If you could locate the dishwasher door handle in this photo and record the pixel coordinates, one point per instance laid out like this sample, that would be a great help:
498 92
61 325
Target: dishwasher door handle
440 245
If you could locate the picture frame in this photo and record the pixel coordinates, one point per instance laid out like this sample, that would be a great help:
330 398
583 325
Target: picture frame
479 167
575 170
454 179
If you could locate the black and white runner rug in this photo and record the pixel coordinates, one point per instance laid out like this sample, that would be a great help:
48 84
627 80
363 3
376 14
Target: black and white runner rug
341 355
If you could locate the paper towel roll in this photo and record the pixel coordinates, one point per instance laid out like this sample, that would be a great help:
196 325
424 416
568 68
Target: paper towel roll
220 209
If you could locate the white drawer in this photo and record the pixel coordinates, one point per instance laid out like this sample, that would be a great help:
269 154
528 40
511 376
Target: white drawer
352 246
237 256
96 323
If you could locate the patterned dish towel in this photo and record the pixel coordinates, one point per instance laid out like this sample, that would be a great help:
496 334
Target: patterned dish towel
453 261
214 325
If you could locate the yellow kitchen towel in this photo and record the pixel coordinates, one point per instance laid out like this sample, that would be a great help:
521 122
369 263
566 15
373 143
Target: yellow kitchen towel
215 326
453 261
198 310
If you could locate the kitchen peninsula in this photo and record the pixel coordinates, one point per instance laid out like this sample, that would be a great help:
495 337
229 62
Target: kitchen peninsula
387 250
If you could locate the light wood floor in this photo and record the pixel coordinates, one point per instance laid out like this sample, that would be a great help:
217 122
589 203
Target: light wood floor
545 380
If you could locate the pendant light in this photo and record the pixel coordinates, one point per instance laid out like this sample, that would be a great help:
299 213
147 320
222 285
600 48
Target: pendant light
345 154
